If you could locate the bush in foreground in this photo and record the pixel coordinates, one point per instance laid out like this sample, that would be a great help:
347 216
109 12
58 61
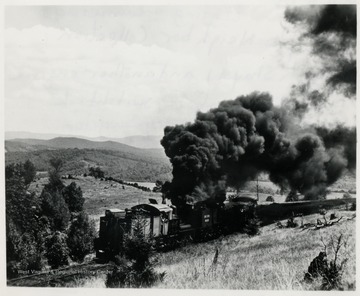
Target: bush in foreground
56 250
80 237
331 271
137 268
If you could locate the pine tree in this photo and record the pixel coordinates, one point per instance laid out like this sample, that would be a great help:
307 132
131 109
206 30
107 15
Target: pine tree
80 237
73 197
56 250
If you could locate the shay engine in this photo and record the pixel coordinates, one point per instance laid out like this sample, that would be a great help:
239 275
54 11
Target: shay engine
199 221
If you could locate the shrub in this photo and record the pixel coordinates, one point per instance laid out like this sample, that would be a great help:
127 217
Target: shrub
158 186
330 272
56 250
80 237
96 172
119 277
332 277
252 226
353 206
270 198
138 270
291 223
24 253
346 195
125 276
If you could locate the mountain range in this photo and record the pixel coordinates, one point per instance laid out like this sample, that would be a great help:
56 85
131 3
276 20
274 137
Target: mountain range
116 159
150 141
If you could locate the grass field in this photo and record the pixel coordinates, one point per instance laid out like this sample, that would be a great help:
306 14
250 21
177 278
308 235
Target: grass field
275 259
101 195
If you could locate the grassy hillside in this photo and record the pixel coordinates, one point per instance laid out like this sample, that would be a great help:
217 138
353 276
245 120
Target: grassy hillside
118 164
116 159
77 143
101 195
275 259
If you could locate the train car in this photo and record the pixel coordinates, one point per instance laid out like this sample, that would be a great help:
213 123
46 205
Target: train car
157 220
113 225
200 222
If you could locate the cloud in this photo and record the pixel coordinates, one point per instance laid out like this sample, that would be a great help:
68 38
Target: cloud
111 71
50 71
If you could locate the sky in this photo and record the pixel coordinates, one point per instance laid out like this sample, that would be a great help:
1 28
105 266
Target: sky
132 70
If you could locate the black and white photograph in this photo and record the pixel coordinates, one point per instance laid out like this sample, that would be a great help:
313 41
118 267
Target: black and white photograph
184 147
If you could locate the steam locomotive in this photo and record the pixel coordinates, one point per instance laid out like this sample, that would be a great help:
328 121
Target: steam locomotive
199 221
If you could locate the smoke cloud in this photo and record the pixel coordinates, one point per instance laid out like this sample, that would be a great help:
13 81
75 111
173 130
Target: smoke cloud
331 29
233 143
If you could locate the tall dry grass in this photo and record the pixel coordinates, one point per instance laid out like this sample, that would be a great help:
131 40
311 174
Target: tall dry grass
275 259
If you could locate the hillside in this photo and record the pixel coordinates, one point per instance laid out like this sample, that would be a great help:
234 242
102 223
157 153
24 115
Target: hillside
276 259
101 195
143 142
116 159
72 142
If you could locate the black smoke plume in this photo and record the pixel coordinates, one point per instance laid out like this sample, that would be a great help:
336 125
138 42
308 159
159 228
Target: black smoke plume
233 143
340 137
332 32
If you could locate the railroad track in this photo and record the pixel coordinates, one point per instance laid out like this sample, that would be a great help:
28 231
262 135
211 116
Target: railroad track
58 277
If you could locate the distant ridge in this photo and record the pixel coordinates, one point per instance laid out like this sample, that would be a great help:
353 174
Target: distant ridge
23 145
116 159
138 141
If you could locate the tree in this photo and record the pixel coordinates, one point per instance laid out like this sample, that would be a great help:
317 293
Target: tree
53 204
55 183
23 251
29 172
139 270
22 225
56 250
56 164
55 209
20 205
80 237
96 172
73 197
26 170
158 186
